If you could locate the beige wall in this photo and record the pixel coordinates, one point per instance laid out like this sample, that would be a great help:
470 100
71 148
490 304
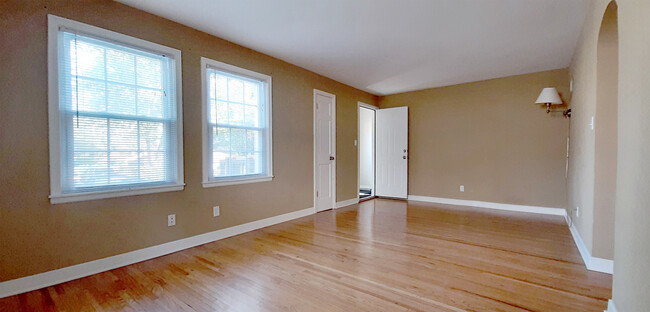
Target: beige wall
581 153
592 176
490 137
36 236
606 136
632 233
632 250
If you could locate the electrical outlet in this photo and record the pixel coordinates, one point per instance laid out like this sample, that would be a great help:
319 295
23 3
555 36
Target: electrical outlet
216 211
462 188
577 211
171 220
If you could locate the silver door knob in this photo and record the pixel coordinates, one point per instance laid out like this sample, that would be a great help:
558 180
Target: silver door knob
331 157
403 157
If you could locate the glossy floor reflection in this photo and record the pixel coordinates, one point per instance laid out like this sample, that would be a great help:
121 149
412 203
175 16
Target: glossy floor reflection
380 255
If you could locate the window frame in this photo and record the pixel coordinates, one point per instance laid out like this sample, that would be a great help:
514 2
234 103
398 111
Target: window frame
208 180
57 196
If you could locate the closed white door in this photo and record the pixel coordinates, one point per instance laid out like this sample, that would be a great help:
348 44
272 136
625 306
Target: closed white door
324 150
392 152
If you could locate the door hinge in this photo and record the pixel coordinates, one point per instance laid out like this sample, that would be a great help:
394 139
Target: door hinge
316 193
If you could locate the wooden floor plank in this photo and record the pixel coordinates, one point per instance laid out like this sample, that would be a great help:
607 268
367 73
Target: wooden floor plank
379 255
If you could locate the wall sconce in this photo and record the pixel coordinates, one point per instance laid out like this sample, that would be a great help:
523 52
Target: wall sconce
549 96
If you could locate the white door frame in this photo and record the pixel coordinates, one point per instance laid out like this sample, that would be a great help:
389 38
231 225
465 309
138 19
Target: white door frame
333 135
374 148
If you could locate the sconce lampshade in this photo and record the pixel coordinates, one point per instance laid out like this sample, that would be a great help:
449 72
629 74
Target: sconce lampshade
549 95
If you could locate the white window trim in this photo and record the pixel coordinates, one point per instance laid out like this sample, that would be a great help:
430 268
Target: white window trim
268 176
56 23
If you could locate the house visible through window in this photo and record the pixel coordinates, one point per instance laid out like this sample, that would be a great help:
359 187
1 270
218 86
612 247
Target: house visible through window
238 124
117 113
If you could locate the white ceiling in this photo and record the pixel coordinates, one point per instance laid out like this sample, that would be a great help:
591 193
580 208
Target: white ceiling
392 46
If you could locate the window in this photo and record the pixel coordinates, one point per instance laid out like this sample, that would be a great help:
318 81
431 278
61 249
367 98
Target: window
236 125
115 114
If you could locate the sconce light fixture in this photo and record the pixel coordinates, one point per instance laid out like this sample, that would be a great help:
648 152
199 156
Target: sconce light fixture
549 96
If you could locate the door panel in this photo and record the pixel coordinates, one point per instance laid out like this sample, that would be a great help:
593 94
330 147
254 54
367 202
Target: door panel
392 152
325 108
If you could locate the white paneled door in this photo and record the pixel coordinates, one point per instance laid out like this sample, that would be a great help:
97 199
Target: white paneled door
392 152
324 150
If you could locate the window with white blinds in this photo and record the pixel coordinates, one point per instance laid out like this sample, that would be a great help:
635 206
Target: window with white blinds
117 117
237 125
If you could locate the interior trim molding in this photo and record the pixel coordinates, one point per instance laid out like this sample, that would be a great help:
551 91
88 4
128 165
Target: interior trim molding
592 263
37 281
610 306
490 205
347 202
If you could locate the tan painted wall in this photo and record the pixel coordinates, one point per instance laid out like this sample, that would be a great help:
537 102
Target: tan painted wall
36 236
581 153
490 137
606 136
632 233
592 176
632 250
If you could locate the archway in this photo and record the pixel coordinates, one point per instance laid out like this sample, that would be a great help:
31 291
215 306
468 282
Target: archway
606 141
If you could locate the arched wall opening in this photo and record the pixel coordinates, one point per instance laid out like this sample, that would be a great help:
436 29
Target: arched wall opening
606 141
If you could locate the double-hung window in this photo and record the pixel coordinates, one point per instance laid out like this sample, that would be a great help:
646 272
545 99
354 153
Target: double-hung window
237 144
115 114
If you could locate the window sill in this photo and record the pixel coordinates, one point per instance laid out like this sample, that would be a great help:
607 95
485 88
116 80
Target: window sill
236 181
76 197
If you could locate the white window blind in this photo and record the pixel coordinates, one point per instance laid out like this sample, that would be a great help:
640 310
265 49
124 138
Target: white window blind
238 123
118 115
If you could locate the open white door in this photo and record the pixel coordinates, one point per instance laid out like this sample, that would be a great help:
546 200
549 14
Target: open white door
324 150
392 152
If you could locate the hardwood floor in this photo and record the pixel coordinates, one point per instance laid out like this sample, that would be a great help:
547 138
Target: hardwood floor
380 255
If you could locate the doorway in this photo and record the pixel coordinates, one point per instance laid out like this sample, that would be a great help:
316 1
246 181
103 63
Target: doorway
383 152
324 150
366 150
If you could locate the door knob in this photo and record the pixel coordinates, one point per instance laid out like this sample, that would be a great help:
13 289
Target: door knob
331 157
403 157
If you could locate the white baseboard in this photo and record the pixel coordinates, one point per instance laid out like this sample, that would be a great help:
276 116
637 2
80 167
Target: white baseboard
347 202
482 204
592 263
37 281
611 307
601 265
